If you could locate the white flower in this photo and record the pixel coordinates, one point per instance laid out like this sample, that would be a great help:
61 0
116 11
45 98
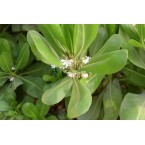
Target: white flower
11 79
86 60
72 75
53 66
13 68
85 75
66 63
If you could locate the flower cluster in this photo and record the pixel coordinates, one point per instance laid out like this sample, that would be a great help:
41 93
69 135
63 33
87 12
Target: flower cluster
86 60
12 78
70 67
66 63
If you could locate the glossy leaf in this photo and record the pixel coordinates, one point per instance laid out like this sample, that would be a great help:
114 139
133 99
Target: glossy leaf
133 107
55 36
104 64
23 57
57 91
30 110
112 44
136 43
98 42
42 48
112 99
6 61
68 34
83 36
111 28
80 100
92 82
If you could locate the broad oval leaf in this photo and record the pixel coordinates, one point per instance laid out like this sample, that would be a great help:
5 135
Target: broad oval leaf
83 36
68 35
30 110
55 36
80 100
42 48
112 99
6 61
93 82
99 41
112 44
23 57
133 107
108 63
57 91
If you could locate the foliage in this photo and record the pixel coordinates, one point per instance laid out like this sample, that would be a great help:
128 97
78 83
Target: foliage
72 71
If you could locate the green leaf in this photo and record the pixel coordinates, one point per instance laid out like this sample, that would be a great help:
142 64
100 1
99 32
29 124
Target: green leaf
15 83
93 83
130 30
4 106
133 107
3 80
55 36
94 110
6 61
133 54
30 110
112 44
42 49
141 32
57 91
36 69
68 35
4 45
104 64
136 43
134 77
112 99
80 100
42 108
99 41
111 28
23 57
33 86
84 34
